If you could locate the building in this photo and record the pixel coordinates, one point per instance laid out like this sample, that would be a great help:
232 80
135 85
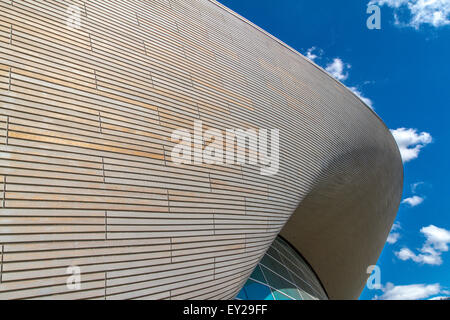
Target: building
91 95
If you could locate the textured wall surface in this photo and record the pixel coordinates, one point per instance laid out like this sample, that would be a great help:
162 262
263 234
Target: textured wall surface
86 178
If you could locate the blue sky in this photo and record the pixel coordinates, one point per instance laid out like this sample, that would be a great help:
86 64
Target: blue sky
403 70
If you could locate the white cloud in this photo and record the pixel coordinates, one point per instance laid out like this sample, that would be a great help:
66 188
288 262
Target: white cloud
337 69
396 226
311 55
394 236
440 298
413 201
437 241
432 12
432 257
360 95
437 237
410 292
414 186
405 254
410 142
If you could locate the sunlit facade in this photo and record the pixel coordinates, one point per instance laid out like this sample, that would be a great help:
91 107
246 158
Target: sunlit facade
91 96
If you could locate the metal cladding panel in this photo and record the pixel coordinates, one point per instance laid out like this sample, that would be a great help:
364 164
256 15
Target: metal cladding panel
87 110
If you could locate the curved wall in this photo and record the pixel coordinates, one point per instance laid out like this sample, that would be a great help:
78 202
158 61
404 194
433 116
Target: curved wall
86 177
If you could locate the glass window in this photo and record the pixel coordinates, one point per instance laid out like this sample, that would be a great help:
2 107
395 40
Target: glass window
282 274
257 291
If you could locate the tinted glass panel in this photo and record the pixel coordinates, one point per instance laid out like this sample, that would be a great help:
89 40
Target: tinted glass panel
282 274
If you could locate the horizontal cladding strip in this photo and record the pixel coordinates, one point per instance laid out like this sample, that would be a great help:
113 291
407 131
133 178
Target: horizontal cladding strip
76 105
197 66
138 263
41 138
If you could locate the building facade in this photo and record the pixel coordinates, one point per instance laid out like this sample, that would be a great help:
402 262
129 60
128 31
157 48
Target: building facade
93 97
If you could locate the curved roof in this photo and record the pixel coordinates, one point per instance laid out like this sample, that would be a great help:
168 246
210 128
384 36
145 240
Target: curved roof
343 222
